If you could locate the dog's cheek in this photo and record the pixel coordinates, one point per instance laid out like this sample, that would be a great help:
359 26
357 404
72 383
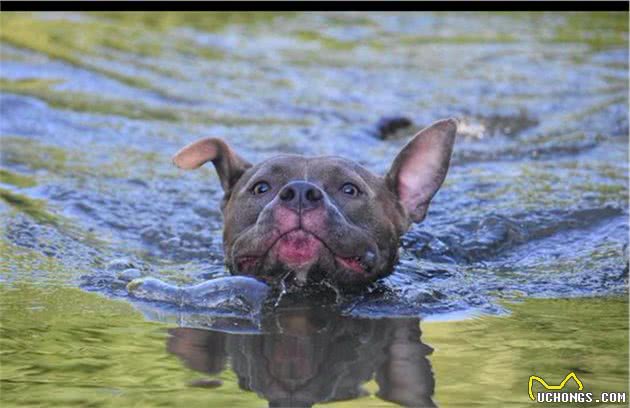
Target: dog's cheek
366 213
239 214
389 261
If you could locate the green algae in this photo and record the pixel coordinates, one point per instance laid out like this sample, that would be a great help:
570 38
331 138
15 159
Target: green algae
42 214
600 30
67 41
459 39
326 41
40 211
32 207
487 361
74 40
18 150
20 264
84 102
15 179
22 150
57 162
208 21
63 346
51 162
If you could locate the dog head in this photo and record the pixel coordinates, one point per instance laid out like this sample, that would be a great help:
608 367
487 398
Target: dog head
312 219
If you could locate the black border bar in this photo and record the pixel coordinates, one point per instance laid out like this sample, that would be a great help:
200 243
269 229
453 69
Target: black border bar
9 5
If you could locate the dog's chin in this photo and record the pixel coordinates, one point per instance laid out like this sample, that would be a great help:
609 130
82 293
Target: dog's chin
302 255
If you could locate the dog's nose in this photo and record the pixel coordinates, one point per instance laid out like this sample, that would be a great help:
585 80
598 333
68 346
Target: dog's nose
301 196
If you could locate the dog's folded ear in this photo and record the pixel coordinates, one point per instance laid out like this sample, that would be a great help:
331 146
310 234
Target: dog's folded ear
421 166
229 165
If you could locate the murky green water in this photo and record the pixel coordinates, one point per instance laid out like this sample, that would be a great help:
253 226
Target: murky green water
518 270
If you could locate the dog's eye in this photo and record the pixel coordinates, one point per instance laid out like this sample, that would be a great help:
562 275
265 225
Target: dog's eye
261 187
350 189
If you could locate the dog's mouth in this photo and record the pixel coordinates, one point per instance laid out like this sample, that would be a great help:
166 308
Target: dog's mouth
298 249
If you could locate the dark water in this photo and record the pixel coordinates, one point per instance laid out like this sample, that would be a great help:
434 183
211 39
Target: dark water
307 356
535 204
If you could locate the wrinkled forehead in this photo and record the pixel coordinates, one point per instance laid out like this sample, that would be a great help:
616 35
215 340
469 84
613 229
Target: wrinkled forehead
296 167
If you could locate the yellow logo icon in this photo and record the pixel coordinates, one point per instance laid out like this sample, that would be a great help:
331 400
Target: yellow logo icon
553 387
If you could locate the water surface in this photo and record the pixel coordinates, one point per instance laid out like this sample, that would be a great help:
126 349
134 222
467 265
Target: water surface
528 231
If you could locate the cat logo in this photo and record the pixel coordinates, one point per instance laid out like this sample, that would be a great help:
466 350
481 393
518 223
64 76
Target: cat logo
553 387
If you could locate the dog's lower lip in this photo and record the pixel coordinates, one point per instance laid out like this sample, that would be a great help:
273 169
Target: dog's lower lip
243 260
353 263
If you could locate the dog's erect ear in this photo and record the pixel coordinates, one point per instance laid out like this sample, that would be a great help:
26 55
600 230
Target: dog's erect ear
229 165
420 168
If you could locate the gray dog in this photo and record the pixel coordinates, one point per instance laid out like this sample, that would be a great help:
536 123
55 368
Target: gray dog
313 219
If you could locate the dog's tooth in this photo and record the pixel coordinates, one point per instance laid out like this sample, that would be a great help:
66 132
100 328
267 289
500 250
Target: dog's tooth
369 259
369 255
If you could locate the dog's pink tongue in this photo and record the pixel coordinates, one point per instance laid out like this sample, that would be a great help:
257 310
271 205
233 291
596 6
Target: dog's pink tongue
297 248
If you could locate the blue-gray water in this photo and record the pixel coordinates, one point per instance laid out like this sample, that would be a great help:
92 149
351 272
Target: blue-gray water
535 204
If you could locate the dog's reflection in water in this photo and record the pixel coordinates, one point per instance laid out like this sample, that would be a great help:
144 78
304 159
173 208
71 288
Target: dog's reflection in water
306 356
